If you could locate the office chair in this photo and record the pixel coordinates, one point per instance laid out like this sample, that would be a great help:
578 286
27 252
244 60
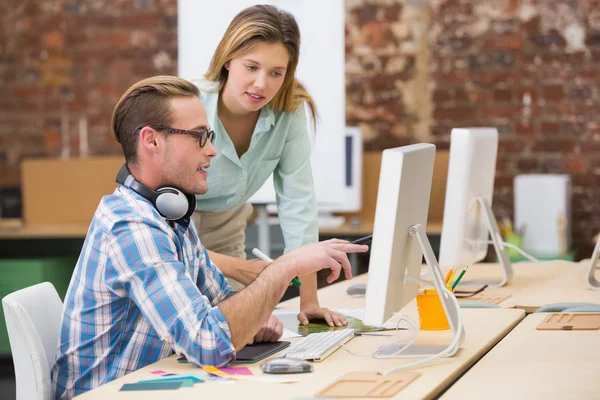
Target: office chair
33 317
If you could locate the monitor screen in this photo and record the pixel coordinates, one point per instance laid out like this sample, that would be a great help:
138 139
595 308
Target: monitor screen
402 201
471 172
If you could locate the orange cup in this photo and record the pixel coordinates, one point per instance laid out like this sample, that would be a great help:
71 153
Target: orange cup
431 312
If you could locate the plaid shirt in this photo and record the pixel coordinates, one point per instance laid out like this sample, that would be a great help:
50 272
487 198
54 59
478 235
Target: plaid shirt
141 290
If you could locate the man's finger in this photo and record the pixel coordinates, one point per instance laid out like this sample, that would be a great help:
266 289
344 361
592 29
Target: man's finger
259 336
350 248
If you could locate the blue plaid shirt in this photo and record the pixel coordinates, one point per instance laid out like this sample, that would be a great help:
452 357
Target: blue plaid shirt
141 290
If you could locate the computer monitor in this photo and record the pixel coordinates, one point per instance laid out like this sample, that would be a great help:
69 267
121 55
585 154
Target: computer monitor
468 218
399 240
592 281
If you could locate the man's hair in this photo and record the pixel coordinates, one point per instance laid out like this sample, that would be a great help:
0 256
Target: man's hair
146 103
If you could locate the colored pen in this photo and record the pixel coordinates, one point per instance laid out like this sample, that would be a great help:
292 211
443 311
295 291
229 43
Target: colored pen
363 240
449 275
262 256
459 277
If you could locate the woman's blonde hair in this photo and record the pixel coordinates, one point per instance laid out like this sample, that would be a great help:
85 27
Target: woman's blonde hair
256 24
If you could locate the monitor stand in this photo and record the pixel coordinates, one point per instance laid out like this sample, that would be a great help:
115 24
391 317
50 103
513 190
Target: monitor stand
450 308
592 282
497 241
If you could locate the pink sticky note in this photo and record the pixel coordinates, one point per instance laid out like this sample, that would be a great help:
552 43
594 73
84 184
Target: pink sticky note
158 372
237 371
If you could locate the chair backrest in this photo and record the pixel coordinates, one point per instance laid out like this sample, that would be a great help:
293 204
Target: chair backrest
33 316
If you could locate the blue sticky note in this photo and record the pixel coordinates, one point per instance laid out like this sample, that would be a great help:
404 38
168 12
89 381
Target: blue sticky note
193 378
150 386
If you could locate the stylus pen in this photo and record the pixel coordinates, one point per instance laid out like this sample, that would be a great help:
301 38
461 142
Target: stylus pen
264 257
363 240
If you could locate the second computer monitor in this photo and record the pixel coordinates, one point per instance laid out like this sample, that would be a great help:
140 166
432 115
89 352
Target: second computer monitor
402 202
471 173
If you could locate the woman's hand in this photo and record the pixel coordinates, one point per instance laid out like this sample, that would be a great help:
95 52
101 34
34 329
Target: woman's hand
313 311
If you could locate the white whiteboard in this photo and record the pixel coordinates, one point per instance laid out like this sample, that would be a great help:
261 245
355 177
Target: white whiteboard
201 24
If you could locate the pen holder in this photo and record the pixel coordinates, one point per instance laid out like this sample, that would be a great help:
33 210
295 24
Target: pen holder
516 240
431 313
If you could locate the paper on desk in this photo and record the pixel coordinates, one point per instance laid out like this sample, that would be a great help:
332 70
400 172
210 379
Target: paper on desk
289 334
359 313
290 322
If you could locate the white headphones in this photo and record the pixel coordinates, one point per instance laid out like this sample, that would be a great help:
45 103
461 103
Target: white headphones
170 202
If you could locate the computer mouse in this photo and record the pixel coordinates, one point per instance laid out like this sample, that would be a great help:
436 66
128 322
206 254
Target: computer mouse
357 290
283 365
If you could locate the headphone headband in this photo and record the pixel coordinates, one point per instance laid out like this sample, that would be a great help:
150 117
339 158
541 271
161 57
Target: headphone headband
170 202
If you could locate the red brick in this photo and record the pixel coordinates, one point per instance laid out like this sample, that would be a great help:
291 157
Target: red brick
555 145
522 129
54 40
461 95
455 113
506 111
590 146
576 164
503 95
527 164
496 77
503 181
441 96
447 78
553 93
512 146
507 42
549 128
392 12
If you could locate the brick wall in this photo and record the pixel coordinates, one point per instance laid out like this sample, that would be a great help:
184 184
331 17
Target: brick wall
414 70
75 58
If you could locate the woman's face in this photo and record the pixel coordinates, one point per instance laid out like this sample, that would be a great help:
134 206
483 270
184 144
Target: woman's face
255 77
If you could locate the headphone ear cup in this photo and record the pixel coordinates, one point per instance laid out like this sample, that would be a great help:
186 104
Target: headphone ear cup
172 203
192 205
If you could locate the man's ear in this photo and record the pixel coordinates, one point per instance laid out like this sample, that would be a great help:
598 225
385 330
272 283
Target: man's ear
148 138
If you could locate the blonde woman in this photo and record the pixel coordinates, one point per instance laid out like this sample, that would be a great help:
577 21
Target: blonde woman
255 105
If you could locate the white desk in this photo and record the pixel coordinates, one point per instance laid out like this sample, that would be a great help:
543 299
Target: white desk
484 328
532 364
565 288
527 278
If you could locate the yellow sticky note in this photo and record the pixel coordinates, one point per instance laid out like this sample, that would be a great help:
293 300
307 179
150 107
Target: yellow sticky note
215 371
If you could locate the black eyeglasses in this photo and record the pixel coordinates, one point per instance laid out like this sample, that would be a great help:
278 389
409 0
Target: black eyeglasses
202 136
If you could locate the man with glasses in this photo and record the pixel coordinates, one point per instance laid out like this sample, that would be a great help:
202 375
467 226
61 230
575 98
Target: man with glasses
144 286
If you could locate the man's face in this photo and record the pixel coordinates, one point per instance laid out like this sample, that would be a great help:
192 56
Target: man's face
185 164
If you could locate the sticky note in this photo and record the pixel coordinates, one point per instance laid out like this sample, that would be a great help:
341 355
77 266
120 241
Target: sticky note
193 378
214 370
150 386
158 372
236 371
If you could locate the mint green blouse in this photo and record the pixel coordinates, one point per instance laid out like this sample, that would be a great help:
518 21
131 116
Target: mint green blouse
279 145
